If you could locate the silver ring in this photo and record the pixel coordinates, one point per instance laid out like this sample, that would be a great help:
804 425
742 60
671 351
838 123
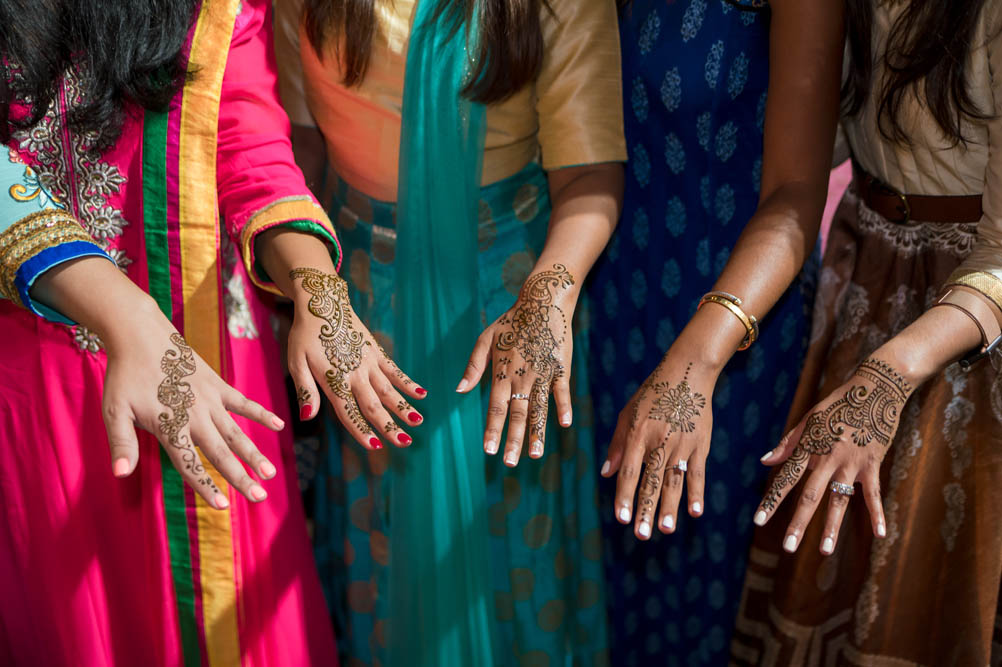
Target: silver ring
681 466
842 489
519 397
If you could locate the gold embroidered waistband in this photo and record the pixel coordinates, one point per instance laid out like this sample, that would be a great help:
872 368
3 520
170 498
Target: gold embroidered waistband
28 237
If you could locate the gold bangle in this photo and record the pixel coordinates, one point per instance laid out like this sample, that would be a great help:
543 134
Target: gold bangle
733 304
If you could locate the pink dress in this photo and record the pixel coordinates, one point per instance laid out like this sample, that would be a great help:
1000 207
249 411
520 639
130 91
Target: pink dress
100 571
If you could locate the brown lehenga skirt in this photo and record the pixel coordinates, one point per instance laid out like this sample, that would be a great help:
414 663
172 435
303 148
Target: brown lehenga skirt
928 594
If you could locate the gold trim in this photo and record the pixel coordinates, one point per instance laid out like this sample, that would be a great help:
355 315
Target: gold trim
987 283
282 210
29 236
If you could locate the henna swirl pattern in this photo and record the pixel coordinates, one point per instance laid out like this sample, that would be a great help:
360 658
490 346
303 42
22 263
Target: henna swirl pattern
870 414
654 469
176 395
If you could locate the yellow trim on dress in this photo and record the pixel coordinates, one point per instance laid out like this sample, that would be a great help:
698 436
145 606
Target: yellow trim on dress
29 236
982 281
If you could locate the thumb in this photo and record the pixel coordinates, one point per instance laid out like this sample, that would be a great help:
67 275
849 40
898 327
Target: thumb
478 362
785 447
119 423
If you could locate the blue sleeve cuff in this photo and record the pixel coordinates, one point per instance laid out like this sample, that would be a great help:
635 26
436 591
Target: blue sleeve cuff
33 268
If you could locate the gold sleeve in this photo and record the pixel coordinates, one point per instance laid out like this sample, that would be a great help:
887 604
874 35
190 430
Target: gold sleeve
580 89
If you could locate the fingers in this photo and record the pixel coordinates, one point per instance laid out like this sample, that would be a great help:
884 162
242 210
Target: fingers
695 478
478 362
870 477
242 446
626 483
810 496
837 504
181 451
239 404
781 484
618 445
497 409
562 400
539 406
650 491
519 413
307 394
345 406
118 422
376 414
398 378
785 447
393 401
221 457
671 494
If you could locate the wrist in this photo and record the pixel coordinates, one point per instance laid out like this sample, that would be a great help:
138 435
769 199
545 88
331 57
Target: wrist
711 338
137 319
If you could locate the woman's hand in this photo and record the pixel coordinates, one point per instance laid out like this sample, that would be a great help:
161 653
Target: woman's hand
328 342
158 383
664 431
843 440
529 348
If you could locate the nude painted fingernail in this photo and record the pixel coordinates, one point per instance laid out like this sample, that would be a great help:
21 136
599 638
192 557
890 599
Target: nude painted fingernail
491 447
421 391
220 501
790 544
881 529
305 412
120 468
258 494
268 470
605 468
565 419
697 508
375 443
766 456
624 514
414 417
510 459
644 529
828 545
462 385
404 439
668 522
536 449
278 423
760 518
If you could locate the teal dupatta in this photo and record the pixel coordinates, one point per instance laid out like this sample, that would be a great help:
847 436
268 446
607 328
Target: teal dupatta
441 609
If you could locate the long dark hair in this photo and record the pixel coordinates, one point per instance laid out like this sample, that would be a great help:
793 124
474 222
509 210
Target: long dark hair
510 51
927 52
129 52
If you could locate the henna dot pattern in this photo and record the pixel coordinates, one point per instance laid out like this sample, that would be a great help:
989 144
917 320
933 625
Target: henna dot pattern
677 405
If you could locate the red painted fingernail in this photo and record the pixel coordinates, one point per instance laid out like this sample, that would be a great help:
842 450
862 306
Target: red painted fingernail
404 439
305 412
415 417
421 391
375 443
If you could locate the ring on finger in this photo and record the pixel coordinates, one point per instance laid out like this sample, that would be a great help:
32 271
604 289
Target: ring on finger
842 489
520 397
681 466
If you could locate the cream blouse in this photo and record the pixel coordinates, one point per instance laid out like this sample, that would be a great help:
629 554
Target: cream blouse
572 115
931 165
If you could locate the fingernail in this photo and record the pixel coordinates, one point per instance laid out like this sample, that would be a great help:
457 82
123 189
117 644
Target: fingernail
404 439
565 419
305 412
697 508
760 518
668 522
268 470
421 391
790 544
605 468
881 529
462 385
766 456
414 417
536 449
828 545
624 514
278 423
375 443
258 494
120 468
491 447
644 529
220 501
510 459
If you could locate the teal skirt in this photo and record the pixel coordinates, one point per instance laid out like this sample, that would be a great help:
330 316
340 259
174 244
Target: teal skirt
542 517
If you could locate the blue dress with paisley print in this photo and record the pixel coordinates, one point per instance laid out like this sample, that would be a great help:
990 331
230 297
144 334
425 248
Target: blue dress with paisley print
695 74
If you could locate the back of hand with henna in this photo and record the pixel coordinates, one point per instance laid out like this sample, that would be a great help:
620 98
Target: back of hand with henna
844 440
360 379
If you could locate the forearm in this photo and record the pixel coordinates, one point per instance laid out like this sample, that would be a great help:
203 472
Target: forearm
929 344
280 250
586 205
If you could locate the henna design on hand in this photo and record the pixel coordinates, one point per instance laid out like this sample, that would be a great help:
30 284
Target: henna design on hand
403 406
390 427
304 395
176 395
342 343
654 470
677 406
872 414
538 329
396 369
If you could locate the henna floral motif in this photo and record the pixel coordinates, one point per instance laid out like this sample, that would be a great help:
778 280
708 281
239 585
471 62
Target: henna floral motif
341 341
871 414
538 327
176 395
304 395
677 405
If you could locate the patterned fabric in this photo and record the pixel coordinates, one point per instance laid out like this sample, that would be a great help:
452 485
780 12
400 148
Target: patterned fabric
695 72
928 594
544 532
